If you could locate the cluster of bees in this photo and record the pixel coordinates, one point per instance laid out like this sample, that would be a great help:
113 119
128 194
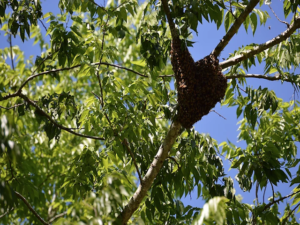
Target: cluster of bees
200 84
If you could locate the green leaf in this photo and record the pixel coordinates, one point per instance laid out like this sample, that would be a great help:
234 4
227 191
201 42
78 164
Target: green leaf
141 63
253 22
214 212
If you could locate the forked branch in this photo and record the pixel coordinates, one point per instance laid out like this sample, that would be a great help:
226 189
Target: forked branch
234 28
245 55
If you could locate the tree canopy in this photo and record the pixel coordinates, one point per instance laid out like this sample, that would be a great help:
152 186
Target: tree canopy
95 129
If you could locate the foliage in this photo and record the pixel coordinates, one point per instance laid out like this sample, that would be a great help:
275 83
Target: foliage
85 121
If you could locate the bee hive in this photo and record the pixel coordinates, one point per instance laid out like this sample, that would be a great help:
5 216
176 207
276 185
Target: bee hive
200 84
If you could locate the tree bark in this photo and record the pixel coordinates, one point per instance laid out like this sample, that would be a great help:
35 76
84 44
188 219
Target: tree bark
152 172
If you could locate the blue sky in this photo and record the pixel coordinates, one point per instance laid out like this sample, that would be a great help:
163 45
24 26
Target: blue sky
207 39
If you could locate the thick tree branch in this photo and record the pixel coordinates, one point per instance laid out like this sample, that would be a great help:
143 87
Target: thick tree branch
152 172
245 55
53 121
174 31
30 208
234 28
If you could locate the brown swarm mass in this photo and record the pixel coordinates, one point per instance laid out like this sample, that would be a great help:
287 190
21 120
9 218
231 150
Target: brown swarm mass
200 85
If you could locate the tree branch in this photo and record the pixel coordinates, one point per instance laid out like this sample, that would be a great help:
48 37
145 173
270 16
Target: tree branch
218 114
31 209
172 158
8 211
57 216
12 107
278 200
101 7
53 121
152 172
245 55
11 52
174 31
259 76
290 213
133 159
286 23
234 28
70 68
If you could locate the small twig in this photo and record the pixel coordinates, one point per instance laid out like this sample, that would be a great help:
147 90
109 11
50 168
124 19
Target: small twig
30 208
241 89
133 159
44 27
273 191
57 216
256 192
12 107
98 74
230 9
286 23
120 5
101 7
172 158
11 52
49 175
39 65
97 96
290 213
8 211
218 114
265 193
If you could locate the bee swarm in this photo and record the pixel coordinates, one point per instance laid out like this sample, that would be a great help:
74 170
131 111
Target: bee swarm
200 85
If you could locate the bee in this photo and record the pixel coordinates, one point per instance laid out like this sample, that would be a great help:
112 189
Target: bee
182 84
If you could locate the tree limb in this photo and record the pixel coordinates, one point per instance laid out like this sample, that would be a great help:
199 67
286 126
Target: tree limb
70 68
152 172
259 76
174 31
57 216
133 159
53 121
30 208
234 28
278 200
290 213
8 211
276 77
11 52
245 55
12 107
286 23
